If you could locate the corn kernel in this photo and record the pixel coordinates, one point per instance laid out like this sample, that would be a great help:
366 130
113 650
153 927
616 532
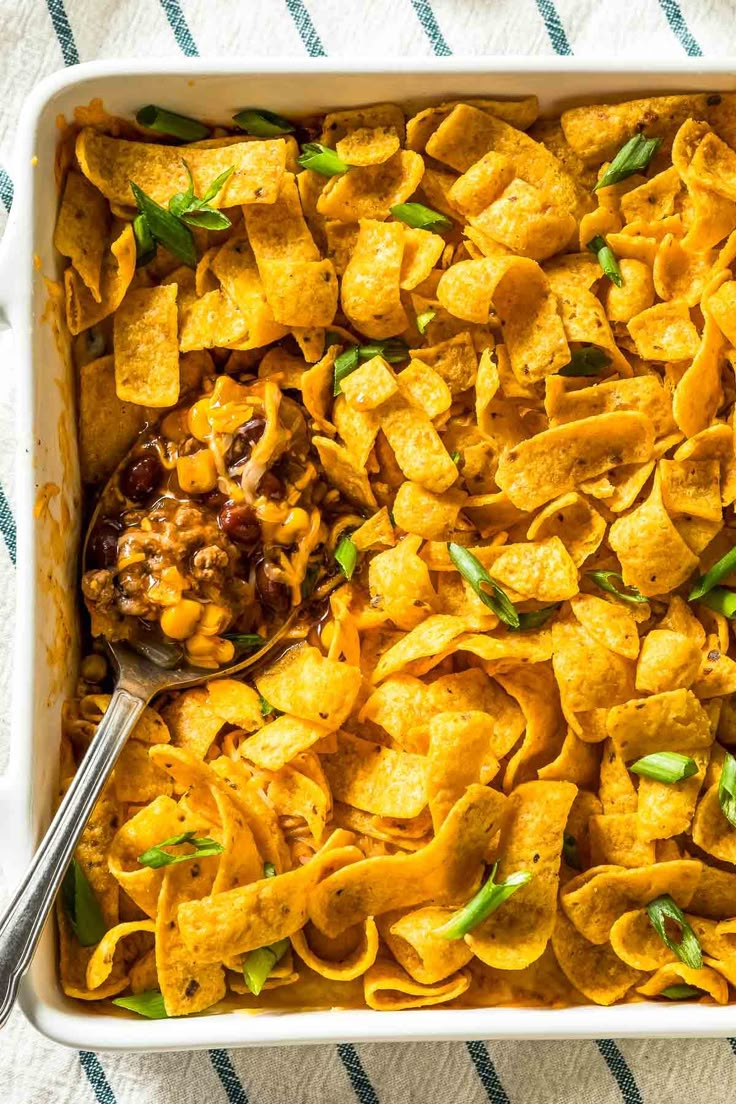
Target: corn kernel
197 473
179 622
199 420
167 589
214 619
132 558
295 526
93 668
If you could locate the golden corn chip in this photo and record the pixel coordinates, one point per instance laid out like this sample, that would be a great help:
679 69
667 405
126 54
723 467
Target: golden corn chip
306 684
523 220
317 385
375 533
617 791
368 146
482 183
446 870
341 238
352 965
400 585
635 941
118 269
213 320
388 988
519 113
680 274
377 779
584 320
713 165
691 488
669 660
398 705
146 347
571 271
107 426
235 703
543 570
713 219
655 199
565 401
654 557
81 230
595 899
426 957
677 973
467 134
294 794
278 231
435 191
279 741
717 676
504 652
608 622
149 729
721 305
578 761
555 461
531 840
136 779
455 360
614 841
242 919
371 192
634 247
407 835
337 124
193 721
300 293
370 295
370 385
681 619
459 755
311 341
496 419
423 386
240 862
595 970
358 428
432 516
455 596
422 251
527 310
715 894
589 675
665 332
235 267
101 962
233 778
534 690
111 163
634 296
575 521
673 718
345 472
711 830
597 131
667 810
418 448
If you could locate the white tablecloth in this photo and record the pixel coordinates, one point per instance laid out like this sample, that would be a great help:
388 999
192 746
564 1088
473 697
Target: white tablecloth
39 36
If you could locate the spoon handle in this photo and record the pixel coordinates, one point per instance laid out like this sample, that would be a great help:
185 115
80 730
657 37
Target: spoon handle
23 922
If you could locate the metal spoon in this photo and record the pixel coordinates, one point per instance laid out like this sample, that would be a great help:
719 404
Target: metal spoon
141 675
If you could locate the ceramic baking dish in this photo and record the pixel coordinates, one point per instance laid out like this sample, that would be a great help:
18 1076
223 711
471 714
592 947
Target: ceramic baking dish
48 502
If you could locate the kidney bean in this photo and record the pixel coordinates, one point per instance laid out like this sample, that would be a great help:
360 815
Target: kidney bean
274 595
244 438
102 547
140 478
271 486
240 523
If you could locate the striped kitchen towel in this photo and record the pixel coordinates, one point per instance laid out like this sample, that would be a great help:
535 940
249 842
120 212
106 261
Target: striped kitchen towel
39 36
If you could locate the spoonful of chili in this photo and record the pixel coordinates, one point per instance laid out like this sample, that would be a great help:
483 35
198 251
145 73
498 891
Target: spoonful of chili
200 552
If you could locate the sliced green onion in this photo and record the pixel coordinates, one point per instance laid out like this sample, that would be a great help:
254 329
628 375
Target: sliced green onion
393 351
727 789
625 593
168 122
266 708
721 601
156 857
589 361
725 566
346 557
473 571
424 318
332 337
665 766
245 641
606 259
455 457
534 619
488 898
269 870
166 228
149 1004
681 992
420 217
688 949
197 212
570 852
345 364
81 906
321 159
145 246
263 124
208 219
632 158
259 964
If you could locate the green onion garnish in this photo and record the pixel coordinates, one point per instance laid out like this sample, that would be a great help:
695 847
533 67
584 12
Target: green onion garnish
346 557
263 124
473 571
156 857
149 1004
81 906
266 708
258 964
269 870
625 593
424 318
631 158
727 789
534 619
145 246
688 949
245 641
420 217
321 159
165 228
197 212
681 992
723 567
488 898
455 457
606 259
589 361
665 766
393 351
721 601
168 122
570 852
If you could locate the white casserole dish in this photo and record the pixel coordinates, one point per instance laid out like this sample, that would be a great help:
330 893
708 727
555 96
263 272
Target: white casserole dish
45 646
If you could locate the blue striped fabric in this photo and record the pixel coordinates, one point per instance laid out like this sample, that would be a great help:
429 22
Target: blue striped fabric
618 1066
676 20
6 189
362 1087
486 1071
57 11
96 1077
427 18
180 27
305 26
555 30
229 1079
